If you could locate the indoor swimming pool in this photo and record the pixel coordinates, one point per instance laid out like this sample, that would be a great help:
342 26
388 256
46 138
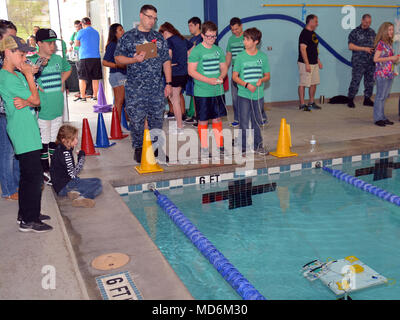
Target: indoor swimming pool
279 223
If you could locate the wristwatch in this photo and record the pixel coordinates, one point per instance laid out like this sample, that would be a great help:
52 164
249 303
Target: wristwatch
168 83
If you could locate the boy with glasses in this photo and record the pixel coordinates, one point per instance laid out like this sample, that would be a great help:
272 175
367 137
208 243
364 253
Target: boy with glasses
208 69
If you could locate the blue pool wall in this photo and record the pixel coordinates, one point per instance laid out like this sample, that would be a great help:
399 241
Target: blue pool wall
281 35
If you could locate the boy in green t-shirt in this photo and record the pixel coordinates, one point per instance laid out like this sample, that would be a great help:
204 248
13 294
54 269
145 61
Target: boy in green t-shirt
18 89
250 72
51 81
206 65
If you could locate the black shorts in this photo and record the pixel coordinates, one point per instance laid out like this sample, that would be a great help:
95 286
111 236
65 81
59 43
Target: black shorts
90 69
179 81
210 107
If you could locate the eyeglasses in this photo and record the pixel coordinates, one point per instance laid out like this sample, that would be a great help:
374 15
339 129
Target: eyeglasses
210 36
151 17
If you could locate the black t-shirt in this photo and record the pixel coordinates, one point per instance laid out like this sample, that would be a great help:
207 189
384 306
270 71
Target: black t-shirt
310 39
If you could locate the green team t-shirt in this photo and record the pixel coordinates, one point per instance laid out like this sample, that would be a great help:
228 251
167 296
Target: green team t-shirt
22 127
235 46
52 98
208 64
250 69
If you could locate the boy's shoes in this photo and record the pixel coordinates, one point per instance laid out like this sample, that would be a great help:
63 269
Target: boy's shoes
14 196
368 102
351 104
195 124
184 117
304 107
161 160
94 98
77 99
41 218
83 202
204 153
190 120
137 156
234 124
72 195
47 178
314 106
169 115
37 227
380 123
387 121
262 151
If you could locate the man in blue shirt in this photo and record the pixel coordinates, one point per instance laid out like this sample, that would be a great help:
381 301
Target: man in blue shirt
145 91
88 41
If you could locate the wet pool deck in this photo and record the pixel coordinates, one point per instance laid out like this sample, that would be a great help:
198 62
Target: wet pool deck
80 235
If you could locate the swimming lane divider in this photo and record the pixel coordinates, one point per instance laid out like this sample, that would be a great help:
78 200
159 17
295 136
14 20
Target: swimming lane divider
360 184
238 282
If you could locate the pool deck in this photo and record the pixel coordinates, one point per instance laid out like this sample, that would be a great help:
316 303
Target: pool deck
80 235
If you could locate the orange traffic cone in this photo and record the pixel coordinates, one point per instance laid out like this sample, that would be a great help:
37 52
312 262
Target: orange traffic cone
284 142
116 132
148 162
87 141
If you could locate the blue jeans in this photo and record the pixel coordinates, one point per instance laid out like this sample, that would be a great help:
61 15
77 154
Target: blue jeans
382 92
251 111
88 187
9 165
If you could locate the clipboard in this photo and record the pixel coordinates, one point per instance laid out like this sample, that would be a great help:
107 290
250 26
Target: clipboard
150 48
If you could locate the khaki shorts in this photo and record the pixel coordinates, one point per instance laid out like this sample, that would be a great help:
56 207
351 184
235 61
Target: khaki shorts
308 79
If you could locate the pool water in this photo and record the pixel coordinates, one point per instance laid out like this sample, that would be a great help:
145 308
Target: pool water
311 215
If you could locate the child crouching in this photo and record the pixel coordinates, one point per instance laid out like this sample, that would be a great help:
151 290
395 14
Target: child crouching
64 173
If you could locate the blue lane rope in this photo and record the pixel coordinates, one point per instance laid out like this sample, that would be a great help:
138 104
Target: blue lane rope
360 184
238 282
290 19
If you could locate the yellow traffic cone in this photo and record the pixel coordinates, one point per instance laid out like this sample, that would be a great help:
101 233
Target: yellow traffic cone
284 142
148 162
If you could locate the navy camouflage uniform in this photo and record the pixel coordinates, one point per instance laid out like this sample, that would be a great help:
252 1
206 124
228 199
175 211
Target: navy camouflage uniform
362 62
144 88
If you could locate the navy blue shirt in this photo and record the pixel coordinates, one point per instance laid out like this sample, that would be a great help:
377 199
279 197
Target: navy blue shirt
179 49
196 39
109 56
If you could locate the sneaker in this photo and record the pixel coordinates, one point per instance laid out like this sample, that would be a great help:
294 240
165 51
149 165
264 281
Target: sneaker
77 99
190 120
304 107
264 122
234 124
387 121
368 102
83 202
169 115
351 104
14 196
184 117
262 151
204 153
314 106
161 161
47 178
137 156
41 218
195 124
180 131
37 227
94 98
72 195
83 99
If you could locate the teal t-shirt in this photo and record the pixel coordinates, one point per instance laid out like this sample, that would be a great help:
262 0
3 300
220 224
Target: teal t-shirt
22 127
51 98
235 46
208 64
251 69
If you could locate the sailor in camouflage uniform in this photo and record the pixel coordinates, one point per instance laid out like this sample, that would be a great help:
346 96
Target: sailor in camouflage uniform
361 42
145 91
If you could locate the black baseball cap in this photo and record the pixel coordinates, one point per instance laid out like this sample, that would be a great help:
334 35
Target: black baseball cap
46 35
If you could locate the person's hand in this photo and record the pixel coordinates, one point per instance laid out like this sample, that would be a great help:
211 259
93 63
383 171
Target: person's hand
20 103
44 62
320 65
25 68
168 91
259 83
308 68
251 87
215 81
35 69
369 50
140 56
395 58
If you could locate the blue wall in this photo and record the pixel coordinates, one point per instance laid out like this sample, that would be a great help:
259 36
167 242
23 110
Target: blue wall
282 36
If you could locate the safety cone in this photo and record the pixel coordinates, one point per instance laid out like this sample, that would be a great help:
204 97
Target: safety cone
284 142
148 162
116 132
124 123
87 141
102 137
101 105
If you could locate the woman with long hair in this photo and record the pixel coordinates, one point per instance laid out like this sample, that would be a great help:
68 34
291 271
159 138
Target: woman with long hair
178 51
117 76
384 59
